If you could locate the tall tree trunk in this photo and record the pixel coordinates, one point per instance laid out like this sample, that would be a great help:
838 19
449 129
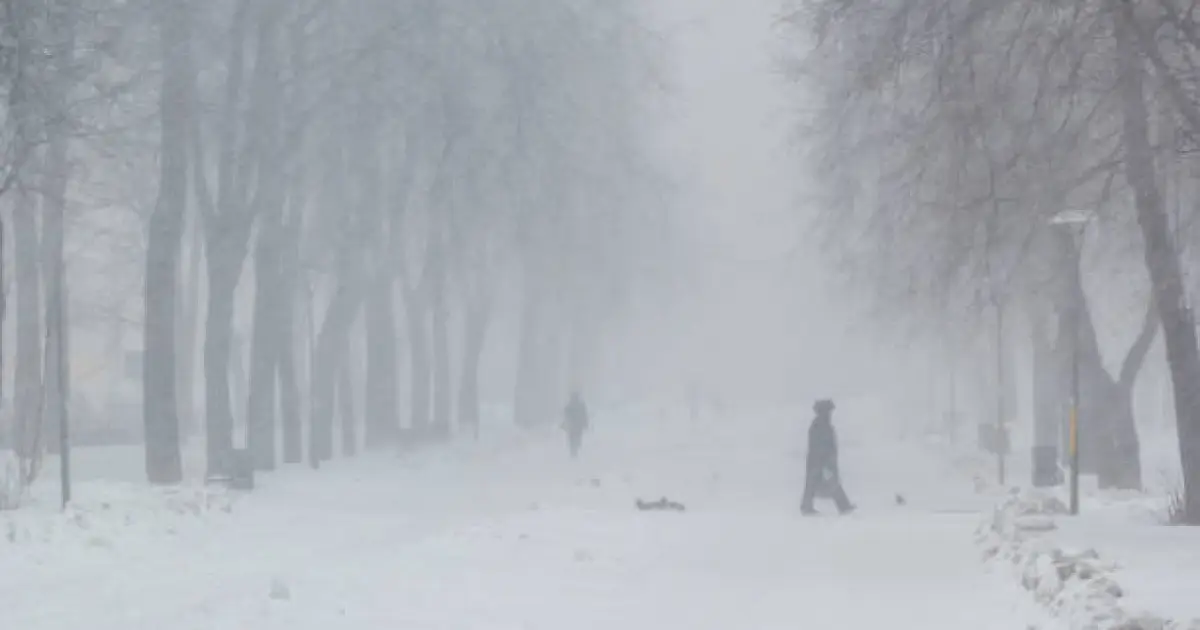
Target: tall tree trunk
57 387
264 349
327 358
1048 390
224 268
28 376
420 368
289 394
474 335
269 200
227 231
345 397
382 412
441 347
187 337
1126 445
1107 441
1162 258
57 175
289 260
163 460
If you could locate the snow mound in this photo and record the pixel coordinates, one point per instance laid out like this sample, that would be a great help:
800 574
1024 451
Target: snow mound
1076 585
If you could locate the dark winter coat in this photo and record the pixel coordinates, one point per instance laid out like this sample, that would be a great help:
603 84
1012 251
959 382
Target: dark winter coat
822 445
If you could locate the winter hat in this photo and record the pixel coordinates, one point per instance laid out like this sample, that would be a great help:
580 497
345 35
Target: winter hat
824 405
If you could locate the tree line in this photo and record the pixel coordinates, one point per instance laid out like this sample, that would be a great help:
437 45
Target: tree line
983 159
369 180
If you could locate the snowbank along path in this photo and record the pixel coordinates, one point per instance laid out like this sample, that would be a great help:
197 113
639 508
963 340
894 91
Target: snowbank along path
511 534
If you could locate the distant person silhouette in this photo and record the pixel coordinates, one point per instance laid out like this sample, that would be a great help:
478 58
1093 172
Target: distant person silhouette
575 423
821 467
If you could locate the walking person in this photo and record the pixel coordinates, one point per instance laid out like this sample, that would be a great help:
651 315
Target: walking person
575 423
821 466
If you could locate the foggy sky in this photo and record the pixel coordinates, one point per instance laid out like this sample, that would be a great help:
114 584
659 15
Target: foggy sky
762 321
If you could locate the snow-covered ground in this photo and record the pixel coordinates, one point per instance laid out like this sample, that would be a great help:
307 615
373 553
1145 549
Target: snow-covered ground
1138 570
1157 567
510 534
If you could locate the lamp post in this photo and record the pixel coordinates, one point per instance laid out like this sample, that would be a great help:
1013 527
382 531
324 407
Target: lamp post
1075 223
1001 428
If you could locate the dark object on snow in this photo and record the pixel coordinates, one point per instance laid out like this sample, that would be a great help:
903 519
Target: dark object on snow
575 423
821 466
900 500
663 504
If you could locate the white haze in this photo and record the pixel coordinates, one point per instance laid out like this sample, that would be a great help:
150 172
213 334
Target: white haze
754 319
745 307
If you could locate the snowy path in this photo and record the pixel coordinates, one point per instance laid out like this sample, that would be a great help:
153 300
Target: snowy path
519 538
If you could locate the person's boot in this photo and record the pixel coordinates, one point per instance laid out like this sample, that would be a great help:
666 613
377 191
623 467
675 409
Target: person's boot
808 511
850 507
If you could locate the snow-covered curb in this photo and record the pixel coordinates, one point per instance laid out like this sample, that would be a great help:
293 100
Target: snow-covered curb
1077 586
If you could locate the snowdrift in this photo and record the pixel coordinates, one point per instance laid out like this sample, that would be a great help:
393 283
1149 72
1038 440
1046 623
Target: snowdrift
1076 585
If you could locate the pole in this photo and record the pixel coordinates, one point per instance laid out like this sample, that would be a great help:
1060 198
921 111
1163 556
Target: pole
1074 419
953 405
1001 435
60 370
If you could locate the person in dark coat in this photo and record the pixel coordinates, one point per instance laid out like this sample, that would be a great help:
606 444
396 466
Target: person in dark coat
821 467
575 423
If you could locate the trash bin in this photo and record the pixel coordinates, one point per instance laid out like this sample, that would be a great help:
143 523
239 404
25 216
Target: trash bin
1046 472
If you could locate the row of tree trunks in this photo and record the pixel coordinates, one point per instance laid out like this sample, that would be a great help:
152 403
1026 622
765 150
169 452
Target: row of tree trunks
228 218
268 117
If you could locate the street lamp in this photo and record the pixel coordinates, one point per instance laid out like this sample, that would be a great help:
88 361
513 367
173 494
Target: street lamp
1076 223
